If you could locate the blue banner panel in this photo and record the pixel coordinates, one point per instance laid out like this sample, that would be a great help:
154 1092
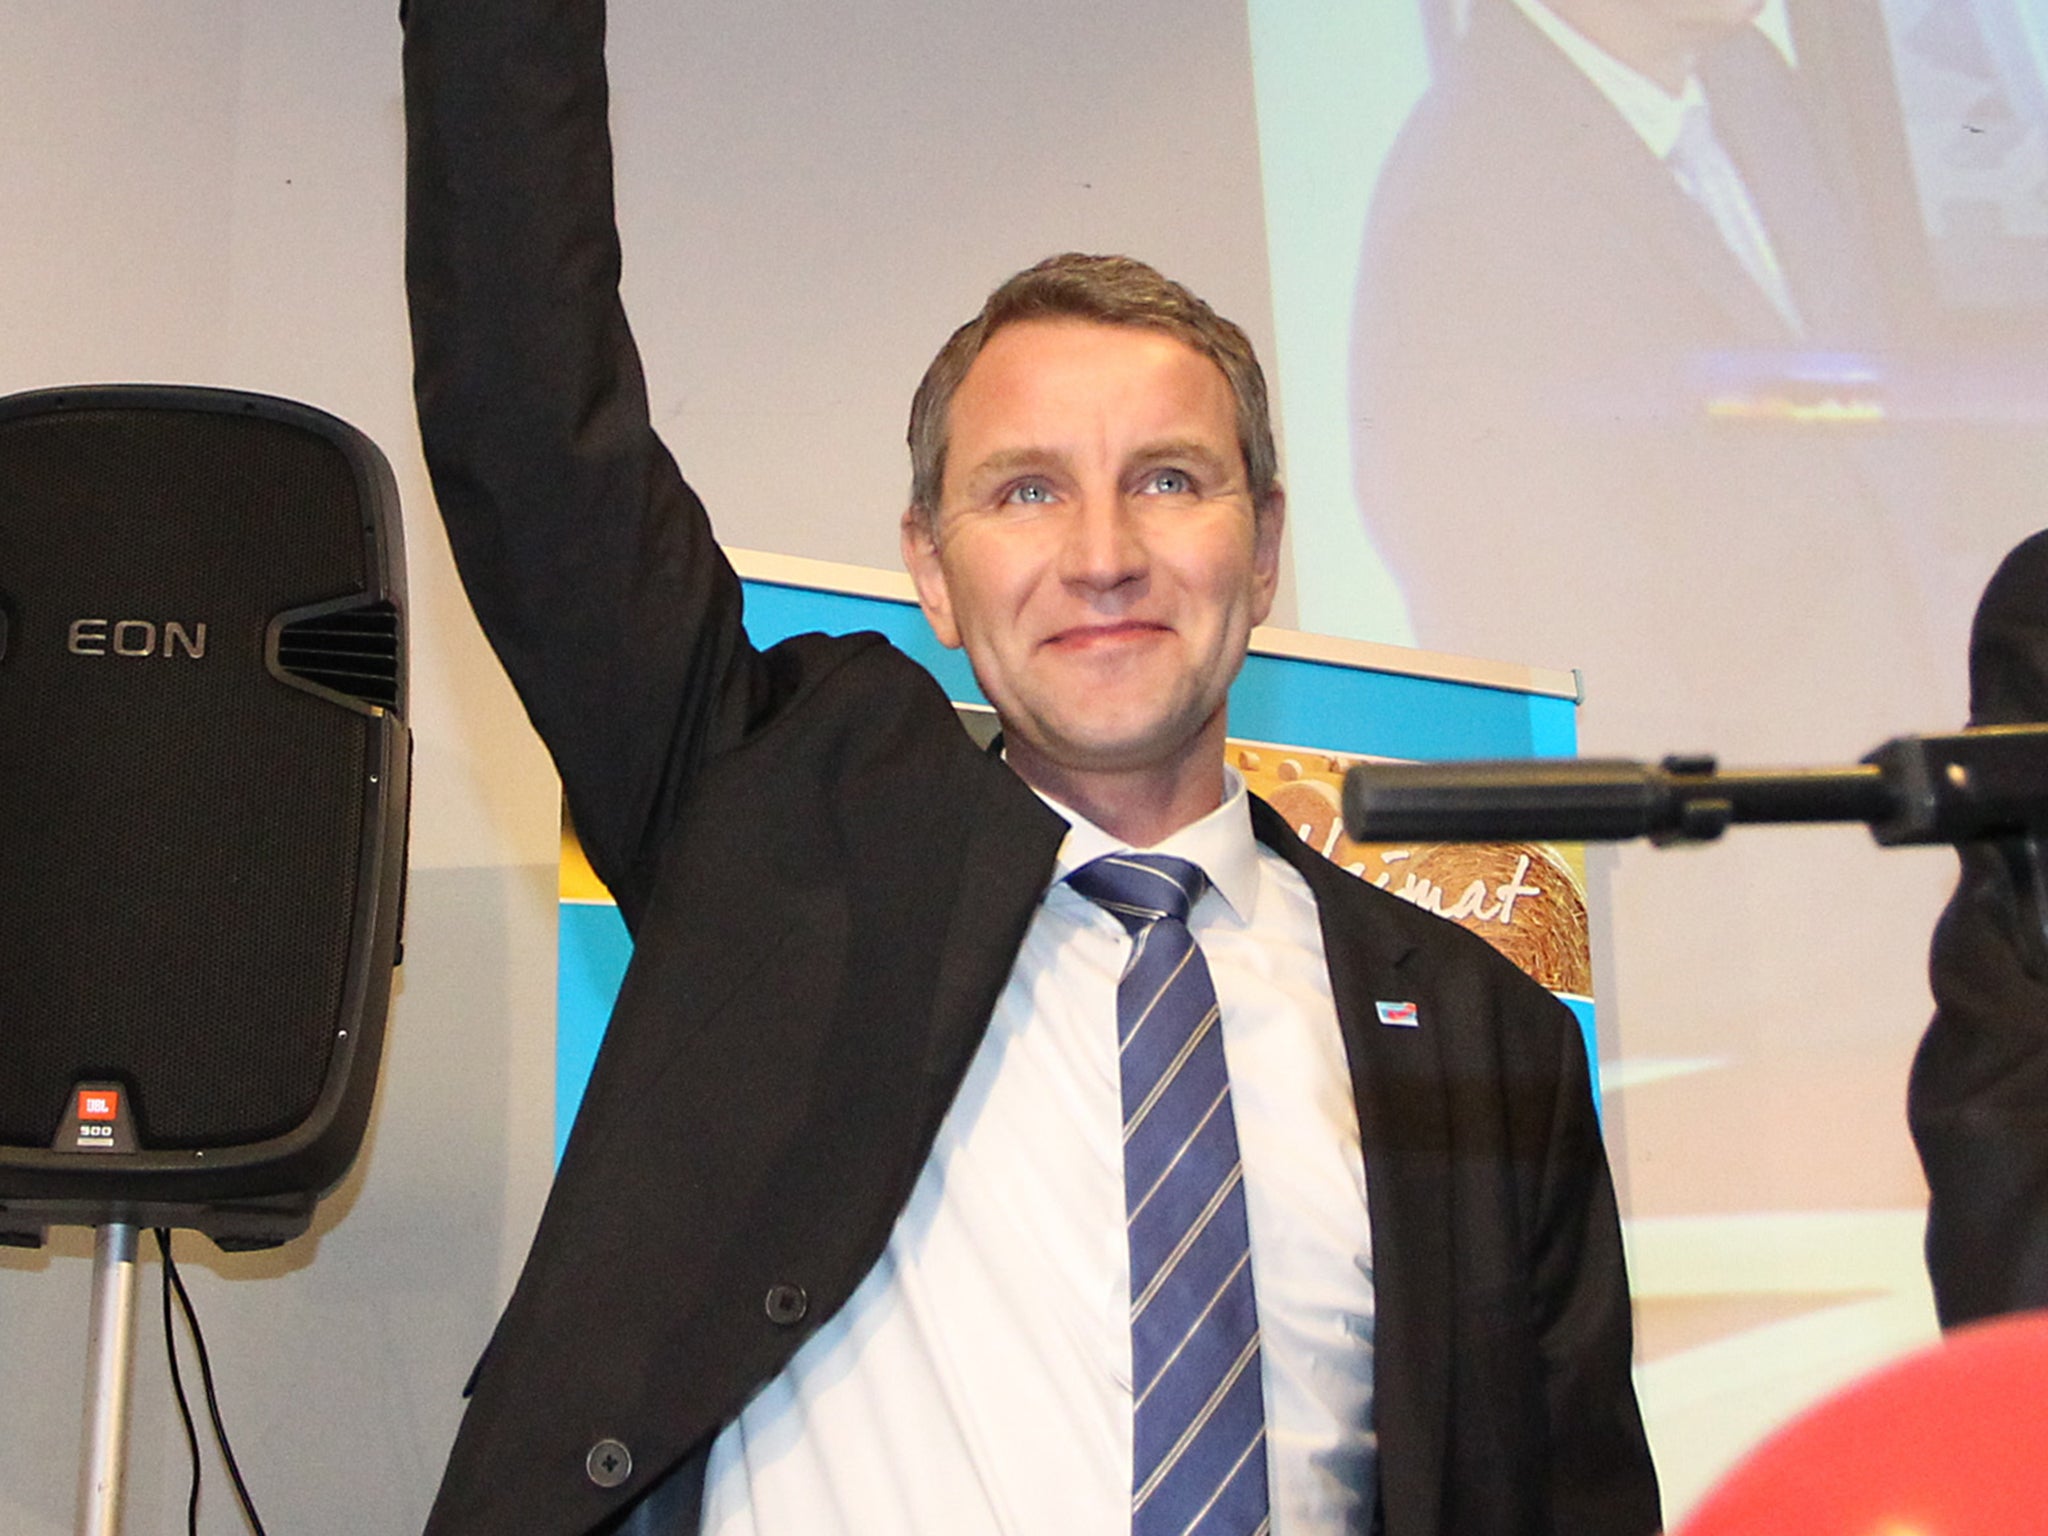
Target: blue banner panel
1286 700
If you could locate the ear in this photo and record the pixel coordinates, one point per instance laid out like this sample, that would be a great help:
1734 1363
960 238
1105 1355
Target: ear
928 573
1268 523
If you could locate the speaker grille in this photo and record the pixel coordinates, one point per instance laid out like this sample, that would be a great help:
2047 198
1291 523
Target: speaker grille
351 651
179 829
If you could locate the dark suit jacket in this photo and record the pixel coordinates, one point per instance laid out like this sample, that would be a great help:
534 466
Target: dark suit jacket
1544 323
1978 1100
827 884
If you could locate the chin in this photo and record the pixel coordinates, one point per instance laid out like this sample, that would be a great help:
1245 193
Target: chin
1125 746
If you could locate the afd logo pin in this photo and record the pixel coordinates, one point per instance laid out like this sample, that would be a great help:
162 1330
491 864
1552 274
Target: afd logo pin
1399 1015
99 1120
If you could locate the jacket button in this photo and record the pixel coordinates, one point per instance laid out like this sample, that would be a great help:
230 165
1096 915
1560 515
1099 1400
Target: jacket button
785 1304
608 1464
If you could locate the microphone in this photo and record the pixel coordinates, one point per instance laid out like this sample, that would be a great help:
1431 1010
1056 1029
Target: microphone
1964 787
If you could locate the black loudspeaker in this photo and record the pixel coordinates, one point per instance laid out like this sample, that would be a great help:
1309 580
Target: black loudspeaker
203 793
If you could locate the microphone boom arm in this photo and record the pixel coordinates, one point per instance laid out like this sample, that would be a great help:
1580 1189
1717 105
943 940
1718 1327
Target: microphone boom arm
1986 785
1969 786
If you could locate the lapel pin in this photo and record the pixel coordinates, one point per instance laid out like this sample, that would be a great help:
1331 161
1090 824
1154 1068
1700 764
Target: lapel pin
1398 1015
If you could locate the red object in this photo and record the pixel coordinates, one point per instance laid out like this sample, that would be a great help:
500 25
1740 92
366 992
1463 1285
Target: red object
1951 1441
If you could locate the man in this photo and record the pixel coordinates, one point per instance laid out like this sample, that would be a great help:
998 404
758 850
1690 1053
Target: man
839 1240
1978 1100
1617 364
1587 435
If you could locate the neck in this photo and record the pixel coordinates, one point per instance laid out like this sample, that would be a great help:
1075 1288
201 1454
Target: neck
1142 806
1647 41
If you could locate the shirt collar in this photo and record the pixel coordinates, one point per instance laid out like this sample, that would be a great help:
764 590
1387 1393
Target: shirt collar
1222 843
1653 112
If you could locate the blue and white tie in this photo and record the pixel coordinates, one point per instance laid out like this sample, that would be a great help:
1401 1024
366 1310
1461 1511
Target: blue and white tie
1198 1414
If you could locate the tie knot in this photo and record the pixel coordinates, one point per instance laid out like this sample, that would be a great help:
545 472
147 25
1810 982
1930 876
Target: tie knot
1141 888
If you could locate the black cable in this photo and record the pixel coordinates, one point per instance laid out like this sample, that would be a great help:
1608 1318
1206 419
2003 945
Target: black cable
220 1434
163 1246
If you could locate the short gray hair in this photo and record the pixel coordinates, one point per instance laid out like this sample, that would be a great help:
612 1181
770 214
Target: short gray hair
1112 290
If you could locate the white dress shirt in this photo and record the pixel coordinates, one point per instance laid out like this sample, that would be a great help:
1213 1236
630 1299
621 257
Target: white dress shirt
979 1380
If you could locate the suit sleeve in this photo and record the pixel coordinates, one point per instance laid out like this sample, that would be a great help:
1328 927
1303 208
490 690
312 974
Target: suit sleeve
589 561
1978 1104
1601 1478
1978 1101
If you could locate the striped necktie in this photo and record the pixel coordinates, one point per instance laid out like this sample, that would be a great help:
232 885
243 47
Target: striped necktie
1198 1409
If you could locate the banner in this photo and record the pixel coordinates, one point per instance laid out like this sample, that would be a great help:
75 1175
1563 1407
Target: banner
1307 707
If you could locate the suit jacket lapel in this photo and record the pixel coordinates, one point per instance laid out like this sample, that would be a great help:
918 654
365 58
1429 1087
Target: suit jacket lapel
1397 1079
1761 119
1600 159
1682 234
1012 840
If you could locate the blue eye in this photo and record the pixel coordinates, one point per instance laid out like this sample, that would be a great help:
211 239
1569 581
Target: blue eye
1170 482
1030 493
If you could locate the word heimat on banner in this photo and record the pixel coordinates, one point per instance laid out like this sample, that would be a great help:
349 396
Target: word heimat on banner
1526 899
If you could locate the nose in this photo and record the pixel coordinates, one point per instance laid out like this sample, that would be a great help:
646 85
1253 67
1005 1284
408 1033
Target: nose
1103 547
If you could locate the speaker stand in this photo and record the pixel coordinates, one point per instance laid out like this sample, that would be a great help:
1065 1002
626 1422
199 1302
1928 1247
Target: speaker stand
110 1358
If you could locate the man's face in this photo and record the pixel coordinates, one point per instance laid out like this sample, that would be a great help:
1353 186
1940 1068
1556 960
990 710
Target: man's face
1096 549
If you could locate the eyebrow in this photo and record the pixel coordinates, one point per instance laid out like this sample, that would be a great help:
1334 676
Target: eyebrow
1185 448
1006 460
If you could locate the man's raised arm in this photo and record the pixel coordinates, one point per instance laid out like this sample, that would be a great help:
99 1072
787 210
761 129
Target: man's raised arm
589 561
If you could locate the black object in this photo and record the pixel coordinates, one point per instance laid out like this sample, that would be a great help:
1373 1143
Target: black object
1984 787
203 792
174 1285
1977 1101
1965 787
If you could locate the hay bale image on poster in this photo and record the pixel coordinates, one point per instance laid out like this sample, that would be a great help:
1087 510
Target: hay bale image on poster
1528 900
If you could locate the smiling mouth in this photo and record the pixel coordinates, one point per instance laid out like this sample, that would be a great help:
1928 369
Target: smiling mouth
1083 636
